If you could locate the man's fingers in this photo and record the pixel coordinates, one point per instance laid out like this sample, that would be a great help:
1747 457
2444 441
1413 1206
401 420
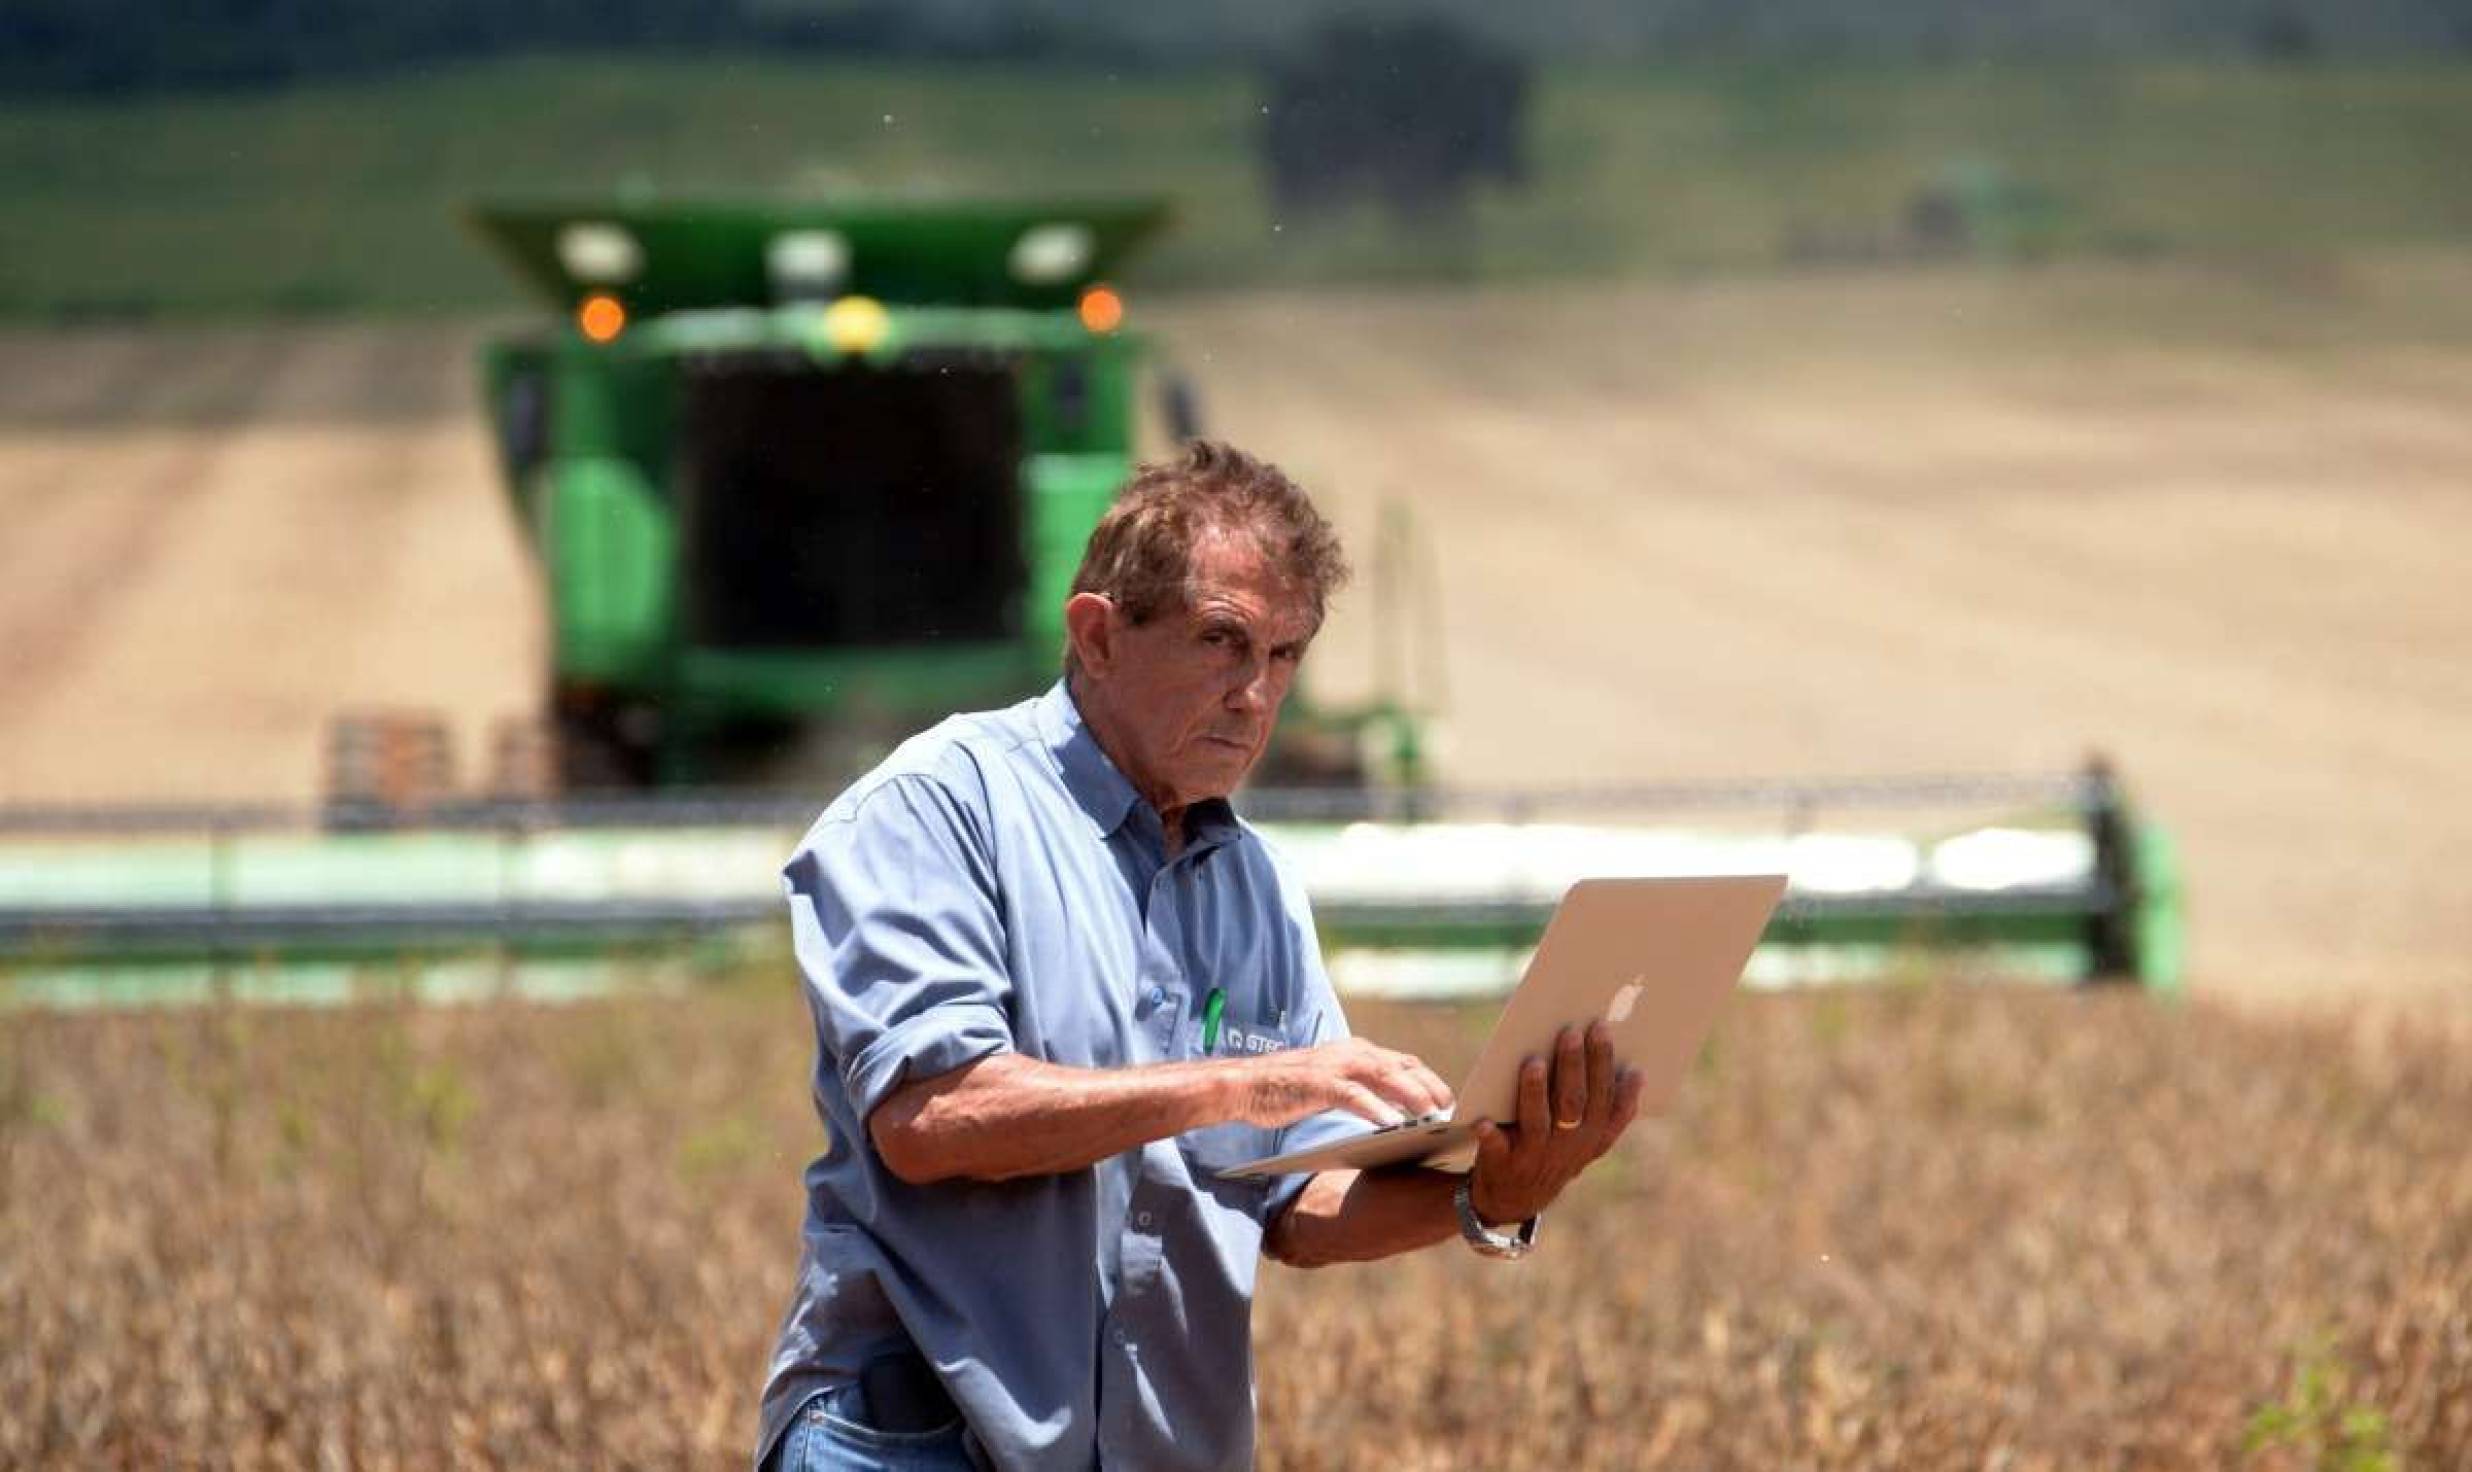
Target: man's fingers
1403 1095
1493 1148
1602 1084
1366 1104
1570 1080
1535 1115
1403 1079
1627 1090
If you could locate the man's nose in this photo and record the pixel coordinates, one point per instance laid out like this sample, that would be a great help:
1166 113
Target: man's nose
1253 690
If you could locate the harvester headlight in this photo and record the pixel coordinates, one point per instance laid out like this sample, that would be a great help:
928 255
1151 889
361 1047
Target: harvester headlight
597 253
1102 311
807 265
601 317
855 324
1051 255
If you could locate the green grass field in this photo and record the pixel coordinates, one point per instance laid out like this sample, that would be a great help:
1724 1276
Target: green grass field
340 198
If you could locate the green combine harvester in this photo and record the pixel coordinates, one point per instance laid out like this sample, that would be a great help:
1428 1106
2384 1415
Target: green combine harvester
802 479
807 475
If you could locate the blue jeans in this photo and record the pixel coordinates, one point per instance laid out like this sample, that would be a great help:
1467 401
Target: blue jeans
828 1436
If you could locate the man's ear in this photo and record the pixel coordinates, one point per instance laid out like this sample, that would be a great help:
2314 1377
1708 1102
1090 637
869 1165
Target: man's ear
1090 626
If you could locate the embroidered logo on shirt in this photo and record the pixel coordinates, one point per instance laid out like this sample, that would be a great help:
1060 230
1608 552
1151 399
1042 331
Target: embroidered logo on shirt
1233 1039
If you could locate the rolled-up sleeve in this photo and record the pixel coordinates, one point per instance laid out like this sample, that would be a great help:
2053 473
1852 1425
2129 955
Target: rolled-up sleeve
900 938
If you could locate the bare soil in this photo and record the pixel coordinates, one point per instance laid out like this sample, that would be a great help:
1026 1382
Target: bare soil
217 539
2214 527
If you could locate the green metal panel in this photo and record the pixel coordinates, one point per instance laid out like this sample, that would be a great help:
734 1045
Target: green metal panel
618 399
713 253
1079 400
2161 923
1068 494
610 545
910 681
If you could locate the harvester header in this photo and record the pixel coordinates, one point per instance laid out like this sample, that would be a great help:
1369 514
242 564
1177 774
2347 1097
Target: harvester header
684 255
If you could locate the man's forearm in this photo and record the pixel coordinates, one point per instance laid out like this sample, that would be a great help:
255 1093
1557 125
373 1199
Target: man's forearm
1006 1116
1357 1216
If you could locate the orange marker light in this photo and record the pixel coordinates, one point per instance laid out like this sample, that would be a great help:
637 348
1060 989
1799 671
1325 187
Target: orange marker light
601 317
1102 310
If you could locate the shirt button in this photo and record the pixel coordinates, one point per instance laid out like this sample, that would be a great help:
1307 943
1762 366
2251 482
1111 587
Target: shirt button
1142 1219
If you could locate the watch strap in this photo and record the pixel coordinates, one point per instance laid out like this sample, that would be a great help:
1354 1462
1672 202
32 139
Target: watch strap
1484 1239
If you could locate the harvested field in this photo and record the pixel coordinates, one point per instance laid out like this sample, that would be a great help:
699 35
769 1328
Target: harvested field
1923 1228
217 539
2211 524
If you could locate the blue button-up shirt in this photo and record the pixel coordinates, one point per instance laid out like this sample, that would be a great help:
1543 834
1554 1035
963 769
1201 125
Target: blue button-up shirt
997 884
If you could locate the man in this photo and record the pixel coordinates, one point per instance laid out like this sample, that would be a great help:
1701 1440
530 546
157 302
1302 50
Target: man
1058 986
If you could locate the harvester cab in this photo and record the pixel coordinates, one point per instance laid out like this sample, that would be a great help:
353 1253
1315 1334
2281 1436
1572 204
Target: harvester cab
801 478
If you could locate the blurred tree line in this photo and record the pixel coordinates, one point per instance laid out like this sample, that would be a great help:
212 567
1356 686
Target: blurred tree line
1409 111
109 46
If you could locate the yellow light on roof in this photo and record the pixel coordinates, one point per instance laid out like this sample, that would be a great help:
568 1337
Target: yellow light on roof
855 324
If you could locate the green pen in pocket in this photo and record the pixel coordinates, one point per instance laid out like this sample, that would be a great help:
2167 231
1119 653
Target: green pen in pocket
1212 1007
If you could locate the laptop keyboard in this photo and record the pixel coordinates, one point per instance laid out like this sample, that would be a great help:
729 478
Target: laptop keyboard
1430 1116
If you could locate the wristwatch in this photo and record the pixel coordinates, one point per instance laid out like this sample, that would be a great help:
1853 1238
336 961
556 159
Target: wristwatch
1487 1241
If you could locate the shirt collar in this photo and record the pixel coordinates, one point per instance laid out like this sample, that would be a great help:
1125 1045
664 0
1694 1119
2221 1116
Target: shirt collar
1104 792
1093 780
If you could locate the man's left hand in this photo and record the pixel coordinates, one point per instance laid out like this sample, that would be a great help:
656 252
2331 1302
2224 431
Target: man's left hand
1568 1116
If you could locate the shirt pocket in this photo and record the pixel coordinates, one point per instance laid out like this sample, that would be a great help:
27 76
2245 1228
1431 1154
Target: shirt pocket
1223 1147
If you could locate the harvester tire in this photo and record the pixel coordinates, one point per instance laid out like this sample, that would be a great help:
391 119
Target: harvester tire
523 760
596 752
387 767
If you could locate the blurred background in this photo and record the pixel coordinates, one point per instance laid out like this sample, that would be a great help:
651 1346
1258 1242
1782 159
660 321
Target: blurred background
1730 397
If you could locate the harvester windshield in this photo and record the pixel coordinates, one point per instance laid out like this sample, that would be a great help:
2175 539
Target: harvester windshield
837 506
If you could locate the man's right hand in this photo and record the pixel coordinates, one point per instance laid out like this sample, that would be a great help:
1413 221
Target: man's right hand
1367 1080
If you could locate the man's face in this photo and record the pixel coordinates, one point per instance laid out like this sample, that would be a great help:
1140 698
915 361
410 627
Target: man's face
1191 696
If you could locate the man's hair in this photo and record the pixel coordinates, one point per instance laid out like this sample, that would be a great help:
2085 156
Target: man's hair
1140 555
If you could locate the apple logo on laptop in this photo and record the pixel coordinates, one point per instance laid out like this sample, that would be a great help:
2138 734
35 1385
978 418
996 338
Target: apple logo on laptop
1625 999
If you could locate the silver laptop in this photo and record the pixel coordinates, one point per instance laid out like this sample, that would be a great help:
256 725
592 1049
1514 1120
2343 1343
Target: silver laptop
1656 958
